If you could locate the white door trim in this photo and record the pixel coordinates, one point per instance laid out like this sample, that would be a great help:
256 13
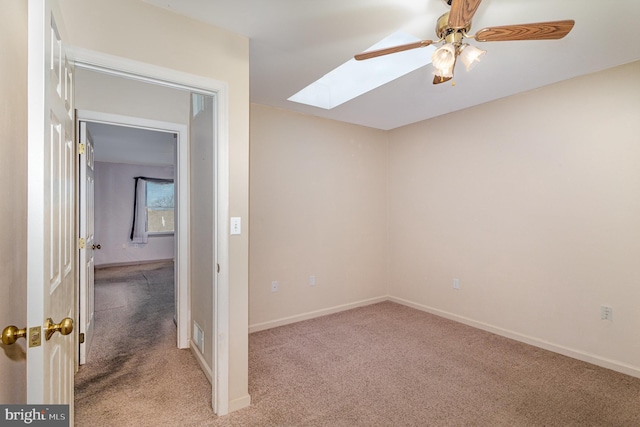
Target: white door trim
181 250
114 65
85 213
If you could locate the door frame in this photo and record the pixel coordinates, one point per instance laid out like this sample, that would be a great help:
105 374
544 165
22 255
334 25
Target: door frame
181 243
85 256
123 67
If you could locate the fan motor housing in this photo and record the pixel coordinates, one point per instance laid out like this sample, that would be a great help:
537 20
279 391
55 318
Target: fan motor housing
443 29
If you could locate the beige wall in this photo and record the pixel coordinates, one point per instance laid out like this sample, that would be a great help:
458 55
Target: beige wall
138 31
110 94
13 193
318 208
532 202
113 198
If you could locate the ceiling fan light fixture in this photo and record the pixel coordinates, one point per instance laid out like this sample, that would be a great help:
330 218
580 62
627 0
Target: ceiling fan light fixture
470 54
444 72
444 57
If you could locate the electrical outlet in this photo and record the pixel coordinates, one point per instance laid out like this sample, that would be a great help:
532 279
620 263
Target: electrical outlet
312 280
456 284
274 286
606 313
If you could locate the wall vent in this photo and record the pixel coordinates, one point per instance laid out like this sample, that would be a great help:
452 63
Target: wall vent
198 337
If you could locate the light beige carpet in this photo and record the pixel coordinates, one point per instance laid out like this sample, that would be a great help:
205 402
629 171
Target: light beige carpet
381 365
135 375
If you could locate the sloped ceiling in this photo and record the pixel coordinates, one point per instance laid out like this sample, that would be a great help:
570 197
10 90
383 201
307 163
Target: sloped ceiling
295 42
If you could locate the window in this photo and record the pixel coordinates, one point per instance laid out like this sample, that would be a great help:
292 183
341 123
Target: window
159 198
153 211
353 78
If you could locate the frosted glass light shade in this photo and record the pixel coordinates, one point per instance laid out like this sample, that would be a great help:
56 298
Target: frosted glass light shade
469 55
447 72
444 57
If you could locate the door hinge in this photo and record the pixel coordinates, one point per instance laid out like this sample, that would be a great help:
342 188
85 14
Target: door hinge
81 338
80 148
81 243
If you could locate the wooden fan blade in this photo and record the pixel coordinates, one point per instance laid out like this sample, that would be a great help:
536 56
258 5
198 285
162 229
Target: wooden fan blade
552 30
394 49
461 12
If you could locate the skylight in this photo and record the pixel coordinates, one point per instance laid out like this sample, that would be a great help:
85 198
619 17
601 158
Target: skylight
353 78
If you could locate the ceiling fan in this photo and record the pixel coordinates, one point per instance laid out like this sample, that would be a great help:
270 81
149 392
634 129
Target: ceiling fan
452 29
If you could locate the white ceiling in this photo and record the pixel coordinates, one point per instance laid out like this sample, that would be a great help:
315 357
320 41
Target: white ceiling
295 42
123 144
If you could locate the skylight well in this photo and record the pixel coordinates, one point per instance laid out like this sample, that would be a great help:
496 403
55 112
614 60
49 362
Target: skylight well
354 78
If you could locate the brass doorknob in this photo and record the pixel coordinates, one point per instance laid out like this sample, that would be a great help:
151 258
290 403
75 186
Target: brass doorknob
10 334
65 327
96 246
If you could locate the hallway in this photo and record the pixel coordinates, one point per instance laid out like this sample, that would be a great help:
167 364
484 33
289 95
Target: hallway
135 374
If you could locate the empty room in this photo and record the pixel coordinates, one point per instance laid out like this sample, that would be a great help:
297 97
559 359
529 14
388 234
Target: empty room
410 213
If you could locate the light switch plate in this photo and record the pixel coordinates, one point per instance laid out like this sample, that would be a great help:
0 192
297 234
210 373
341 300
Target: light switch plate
236 225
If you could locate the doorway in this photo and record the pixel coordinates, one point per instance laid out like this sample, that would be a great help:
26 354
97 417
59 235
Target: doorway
128 181
218 310
168 151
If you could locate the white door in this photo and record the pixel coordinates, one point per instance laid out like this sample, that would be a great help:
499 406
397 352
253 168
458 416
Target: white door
86 251
51 243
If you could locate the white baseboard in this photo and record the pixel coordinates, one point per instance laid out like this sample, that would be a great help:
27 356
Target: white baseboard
239 403
313 314
132 263
614 365
200 358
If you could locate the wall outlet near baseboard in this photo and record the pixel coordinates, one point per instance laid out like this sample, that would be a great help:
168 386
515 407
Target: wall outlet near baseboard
274 286
312 280
606 313
456 284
